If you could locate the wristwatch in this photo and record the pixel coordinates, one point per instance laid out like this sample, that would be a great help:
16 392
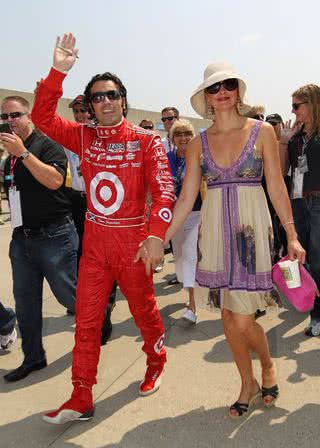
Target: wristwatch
24 155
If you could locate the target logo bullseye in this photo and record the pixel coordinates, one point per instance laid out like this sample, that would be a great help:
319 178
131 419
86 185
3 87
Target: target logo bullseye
106 193
165 214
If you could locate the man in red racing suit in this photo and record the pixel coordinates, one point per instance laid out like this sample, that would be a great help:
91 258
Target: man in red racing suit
118 162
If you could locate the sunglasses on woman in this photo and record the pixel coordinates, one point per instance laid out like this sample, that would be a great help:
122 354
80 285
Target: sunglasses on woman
112 95
295 106
229 84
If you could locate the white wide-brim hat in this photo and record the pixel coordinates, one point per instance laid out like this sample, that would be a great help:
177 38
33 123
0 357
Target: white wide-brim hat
216 72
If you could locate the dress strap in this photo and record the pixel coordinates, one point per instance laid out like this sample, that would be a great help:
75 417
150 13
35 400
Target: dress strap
254 133
205 144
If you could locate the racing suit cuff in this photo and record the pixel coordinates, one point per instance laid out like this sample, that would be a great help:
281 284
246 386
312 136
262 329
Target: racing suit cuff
54 79
158 230
156 237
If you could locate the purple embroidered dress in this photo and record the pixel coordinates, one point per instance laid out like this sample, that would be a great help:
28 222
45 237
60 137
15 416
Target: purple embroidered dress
235 236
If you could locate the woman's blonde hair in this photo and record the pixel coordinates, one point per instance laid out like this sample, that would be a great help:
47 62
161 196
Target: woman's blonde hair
181 124
310 93
255 111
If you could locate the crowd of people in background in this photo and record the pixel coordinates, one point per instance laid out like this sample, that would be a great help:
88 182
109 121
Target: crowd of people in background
246 193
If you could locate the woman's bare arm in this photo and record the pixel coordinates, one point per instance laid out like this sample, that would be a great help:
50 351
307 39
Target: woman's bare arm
190 188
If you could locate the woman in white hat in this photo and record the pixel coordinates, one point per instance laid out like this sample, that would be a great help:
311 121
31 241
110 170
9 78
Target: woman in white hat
235 237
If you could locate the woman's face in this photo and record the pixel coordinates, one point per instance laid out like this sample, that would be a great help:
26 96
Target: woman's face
301 109
223 95
181 138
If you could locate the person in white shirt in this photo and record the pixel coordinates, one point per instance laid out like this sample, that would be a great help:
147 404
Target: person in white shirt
168 116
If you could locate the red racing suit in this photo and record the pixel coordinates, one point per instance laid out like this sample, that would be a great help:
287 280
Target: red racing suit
118 164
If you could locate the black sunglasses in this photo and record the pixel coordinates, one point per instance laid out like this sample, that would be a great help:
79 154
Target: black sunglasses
295 106
147 126
12 115
164 119
112 95
229 84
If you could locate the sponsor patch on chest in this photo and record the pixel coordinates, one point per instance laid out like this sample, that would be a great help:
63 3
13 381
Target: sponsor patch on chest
133 146
116 147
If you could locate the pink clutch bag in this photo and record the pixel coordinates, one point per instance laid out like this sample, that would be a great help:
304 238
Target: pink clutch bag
301 298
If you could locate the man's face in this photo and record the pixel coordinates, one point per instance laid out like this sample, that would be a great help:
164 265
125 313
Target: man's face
80 113
168 122
108 112
21 125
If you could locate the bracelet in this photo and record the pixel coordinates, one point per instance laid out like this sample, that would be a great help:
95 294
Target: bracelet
289 222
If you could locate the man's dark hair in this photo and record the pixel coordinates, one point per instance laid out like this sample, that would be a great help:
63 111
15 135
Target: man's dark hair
107 76
169 109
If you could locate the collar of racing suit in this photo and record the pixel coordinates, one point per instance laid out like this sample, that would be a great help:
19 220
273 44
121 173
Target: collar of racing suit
107 131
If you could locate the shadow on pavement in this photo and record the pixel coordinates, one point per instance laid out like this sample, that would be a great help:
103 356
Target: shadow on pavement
54 368
199 428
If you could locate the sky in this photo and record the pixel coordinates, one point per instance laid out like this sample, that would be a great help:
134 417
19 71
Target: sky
160 49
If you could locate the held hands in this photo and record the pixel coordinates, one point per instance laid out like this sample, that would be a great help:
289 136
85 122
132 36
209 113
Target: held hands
12 143
151 253
65 53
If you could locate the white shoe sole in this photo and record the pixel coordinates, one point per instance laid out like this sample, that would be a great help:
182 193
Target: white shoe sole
11 341
157 384
68 415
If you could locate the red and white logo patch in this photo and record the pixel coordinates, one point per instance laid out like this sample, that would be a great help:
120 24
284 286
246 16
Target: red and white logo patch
158 346
106 193
165 214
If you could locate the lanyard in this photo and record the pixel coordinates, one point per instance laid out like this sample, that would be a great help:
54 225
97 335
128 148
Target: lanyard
13 161
305 143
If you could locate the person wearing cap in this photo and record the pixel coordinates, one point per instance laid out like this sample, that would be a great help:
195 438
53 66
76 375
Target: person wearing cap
280 240
79 204
78 191
276 122
235 236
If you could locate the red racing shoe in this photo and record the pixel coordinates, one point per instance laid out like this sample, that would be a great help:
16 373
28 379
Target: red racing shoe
79 407
152 380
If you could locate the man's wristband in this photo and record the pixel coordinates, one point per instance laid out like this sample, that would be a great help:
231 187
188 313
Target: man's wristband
24 155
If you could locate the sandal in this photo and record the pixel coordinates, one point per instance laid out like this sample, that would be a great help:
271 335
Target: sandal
242 408
272 392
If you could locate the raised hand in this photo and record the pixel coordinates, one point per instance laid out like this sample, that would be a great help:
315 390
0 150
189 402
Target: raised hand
288 130
65 53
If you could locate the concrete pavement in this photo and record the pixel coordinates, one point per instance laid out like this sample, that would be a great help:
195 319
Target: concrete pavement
189 410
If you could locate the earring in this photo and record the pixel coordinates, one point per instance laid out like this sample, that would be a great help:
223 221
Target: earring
239 104
210 111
